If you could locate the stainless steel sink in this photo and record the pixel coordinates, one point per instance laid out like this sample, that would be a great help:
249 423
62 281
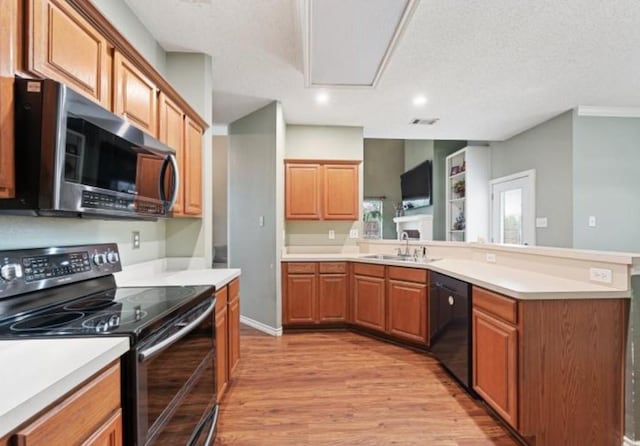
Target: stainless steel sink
399 258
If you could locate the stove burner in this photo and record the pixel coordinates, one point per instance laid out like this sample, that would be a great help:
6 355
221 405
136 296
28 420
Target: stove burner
46 321
106 321
96 303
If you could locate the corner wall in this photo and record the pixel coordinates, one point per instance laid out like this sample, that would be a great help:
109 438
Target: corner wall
252 195
324 142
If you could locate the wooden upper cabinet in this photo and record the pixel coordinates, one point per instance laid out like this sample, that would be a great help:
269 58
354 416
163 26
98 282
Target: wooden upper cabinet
321 190
171 132
62 45
302 191
192 167
340 192
135 95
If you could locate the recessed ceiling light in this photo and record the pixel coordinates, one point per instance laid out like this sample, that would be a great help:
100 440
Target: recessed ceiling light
419 100
322 98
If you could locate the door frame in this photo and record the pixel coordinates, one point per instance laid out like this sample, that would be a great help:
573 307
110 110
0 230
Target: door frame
530 176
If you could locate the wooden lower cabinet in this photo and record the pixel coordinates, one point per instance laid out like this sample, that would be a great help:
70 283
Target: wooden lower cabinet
233 334
407 311
369 306
110 434
332 298
301 292
90 415
221 324
495 370
552 369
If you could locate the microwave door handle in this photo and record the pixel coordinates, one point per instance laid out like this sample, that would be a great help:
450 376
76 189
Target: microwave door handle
170 159
150 352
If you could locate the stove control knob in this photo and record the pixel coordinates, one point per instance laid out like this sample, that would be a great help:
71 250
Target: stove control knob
11 271
100 259
113 257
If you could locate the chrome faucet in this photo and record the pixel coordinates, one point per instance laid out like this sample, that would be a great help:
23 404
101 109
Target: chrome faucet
405 236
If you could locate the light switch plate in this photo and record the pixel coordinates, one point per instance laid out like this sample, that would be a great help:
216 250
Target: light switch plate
542 222
332 234
602 275
353 233
592 221
261 221
490 258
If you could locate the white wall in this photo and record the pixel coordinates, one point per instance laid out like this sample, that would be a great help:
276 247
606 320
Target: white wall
331 143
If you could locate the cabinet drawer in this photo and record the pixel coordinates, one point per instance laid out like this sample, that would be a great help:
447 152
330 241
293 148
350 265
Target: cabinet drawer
301 268
366 269
500 306
332 267
78 416
408 274
222 296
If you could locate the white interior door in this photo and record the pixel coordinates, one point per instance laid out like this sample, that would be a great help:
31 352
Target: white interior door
513 209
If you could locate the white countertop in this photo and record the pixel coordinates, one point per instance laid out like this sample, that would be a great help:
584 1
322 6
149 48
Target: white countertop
513 282
174 272
34 373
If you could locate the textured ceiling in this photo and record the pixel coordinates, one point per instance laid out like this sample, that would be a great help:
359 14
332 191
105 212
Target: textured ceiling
490 68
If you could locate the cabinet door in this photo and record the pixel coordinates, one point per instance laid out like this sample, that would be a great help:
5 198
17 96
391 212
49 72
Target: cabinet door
171 132
300 299
332 297
110 434
495 347
302 192
64 46
369 302
192 168
408 310
221 352
234 326
135 94
9 56
340 192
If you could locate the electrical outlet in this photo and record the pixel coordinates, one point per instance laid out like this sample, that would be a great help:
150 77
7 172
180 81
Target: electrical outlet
136 239
602 275
592 221
332 234
541 222
353 233
490 258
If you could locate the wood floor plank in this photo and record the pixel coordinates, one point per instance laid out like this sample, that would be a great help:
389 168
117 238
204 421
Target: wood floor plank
341 388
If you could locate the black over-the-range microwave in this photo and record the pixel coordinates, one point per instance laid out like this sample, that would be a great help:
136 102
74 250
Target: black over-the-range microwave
75 158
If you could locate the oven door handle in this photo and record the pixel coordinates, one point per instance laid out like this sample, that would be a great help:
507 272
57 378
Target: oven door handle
210 433
150 352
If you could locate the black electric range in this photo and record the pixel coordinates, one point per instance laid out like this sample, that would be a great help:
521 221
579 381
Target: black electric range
169 372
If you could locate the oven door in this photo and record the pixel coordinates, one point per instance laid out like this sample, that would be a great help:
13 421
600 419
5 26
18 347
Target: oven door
176 393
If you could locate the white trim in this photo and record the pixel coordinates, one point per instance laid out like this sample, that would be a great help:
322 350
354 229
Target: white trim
304 8
268 329
531 175
629 442
610 112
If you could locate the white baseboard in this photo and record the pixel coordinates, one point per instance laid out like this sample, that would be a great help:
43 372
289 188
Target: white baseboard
628 442
268 329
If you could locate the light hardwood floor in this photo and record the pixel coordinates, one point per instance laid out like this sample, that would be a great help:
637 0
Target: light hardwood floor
341 388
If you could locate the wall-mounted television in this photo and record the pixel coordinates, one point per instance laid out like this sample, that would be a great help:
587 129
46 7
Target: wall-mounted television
415 185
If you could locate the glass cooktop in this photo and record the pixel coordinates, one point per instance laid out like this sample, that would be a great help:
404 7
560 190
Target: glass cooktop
128 311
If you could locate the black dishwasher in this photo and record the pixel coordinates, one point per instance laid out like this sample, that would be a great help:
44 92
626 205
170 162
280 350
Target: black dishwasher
450 325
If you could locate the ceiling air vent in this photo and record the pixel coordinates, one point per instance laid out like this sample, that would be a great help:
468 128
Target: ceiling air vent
419 121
